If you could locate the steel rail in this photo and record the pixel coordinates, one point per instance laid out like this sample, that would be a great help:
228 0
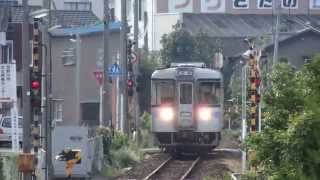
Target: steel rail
158 168
187 173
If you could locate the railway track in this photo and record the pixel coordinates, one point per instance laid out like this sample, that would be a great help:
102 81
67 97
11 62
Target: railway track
173 169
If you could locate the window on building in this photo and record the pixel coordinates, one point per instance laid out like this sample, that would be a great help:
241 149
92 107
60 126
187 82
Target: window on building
68 57
90 113
306 59
58 110
77 6
314 4
7 52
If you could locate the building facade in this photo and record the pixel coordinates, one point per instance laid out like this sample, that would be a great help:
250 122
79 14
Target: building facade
97 7
237 6
65 60
166 13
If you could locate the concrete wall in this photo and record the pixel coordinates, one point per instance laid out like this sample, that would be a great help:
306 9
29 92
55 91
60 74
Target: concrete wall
64 76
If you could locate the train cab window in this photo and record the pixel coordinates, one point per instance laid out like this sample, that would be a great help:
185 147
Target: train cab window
185 93
209 93
162 92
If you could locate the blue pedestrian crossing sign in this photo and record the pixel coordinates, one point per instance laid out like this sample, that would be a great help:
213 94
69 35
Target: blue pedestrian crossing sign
114 70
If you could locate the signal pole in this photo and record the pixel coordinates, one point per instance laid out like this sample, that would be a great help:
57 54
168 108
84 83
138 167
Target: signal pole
26 145
123 60
49 165
277 8
106 103
136 67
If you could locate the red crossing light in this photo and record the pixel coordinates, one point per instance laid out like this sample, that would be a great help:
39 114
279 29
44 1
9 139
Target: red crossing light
130 83
35 84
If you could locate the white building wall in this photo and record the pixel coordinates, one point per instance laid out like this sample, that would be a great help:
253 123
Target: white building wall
3 39
97 7
163 24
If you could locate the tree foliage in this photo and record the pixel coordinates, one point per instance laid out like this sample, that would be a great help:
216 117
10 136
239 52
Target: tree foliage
148 64
289 145
181 46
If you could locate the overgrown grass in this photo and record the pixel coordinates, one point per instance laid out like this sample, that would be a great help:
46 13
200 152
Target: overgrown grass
9 168
1 168
233 135
122 151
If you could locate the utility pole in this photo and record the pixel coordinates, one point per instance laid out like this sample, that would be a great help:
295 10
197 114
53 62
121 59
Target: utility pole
123 60
78 73
49 103
26 145
136 67
277 9
106 103
44 90
244 111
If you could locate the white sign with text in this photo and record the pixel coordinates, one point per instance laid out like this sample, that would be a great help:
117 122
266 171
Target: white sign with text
240 4
289 4
264 4
176 6
213 6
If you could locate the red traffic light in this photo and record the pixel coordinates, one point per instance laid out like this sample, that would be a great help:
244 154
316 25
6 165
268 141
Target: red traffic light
35 84
257 82
130 83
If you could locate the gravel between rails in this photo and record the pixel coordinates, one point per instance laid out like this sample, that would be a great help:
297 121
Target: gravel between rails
141 170
175 169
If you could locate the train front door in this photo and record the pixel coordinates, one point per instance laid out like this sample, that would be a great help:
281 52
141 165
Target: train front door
185 120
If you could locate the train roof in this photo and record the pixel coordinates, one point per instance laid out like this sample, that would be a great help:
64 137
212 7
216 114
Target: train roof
199 73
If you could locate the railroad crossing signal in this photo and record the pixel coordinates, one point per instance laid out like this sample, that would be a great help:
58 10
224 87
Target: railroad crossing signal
35 80
254 95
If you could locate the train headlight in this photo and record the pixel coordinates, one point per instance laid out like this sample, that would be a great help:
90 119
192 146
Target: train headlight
204 114
166 114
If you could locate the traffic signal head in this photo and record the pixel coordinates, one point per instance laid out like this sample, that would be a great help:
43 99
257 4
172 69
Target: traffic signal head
35 92
130 85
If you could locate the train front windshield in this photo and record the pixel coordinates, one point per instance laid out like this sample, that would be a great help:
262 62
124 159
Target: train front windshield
162 92
209 93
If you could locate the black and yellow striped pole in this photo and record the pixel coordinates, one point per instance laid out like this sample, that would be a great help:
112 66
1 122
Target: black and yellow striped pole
254 97
35 80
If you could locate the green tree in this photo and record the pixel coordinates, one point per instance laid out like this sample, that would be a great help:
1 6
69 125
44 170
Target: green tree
181 46
289 145
148 64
